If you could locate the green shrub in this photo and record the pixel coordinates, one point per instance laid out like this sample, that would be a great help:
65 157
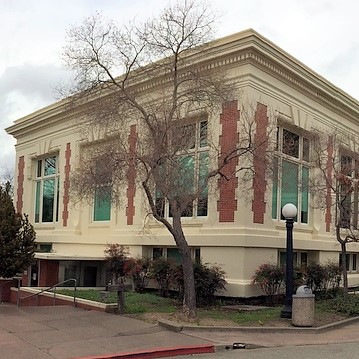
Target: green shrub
209 279
315 277
324 280
163 271
270 278
340 304
334 276
115 257
139 270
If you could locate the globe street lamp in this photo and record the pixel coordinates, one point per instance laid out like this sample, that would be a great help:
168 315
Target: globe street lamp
289 212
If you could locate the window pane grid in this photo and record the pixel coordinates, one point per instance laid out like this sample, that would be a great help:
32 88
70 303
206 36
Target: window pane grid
48 200
305 195
348 205
47 188
102 204
291 175
193 167
37 201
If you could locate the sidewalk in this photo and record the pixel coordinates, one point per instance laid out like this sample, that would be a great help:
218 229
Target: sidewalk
67 332
63 332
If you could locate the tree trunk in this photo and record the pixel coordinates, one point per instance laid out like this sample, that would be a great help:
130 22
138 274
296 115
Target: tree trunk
344 269
189 291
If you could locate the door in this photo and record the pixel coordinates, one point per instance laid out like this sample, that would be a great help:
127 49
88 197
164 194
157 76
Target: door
90 276
34 280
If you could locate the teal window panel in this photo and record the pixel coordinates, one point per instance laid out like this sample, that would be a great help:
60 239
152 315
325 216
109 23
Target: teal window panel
102 204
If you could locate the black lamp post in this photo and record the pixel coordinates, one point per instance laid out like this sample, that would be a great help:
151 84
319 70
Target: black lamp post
289 212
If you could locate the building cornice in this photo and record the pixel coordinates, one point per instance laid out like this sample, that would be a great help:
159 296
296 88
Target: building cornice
250 47
324 93
246 47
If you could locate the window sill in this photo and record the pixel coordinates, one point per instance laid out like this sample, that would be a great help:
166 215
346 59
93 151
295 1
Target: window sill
44 226
186 222
297 227
100 224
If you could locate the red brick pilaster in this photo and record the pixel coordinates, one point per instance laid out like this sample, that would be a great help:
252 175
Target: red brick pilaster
20 184
65 199
131 176
48 272
228 142
328 199
5 292
259 164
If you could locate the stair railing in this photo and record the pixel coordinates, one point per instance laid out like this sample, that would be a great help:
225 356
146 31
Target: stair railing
20 299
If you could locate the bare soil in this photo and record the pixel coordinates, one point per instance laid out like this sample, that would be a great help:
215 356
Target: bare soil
323 319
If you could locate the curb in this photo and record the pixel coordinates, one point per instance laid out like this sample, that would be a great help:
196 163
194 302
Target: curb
333 326
178 328
227 347
157 352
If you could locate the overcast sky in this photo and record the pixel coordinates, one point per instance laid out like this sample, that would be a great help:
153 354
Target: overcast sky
323 34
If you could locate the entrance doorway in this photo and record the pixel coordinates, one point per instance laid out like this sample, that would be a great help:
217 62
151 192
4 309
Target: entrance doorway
34 280
90 276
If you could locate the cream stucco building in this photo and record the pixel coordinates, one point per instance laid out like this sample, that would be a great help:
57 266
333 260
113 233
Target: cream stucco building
237 231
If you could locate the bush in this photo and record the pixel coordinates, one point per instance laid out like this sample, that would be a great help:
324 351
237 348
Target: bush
324 280
334 276
315 277
340 304
270 278
139 270
115 256
209 279
163 271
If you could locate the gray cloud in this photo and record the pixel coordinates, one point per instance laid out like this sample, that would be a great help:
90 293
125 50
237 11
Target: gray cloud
319 33
24 89
340 69
32 80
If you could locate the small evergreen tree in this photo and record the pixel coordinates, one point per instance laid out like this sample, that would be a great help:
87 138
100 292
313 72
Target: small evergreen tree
17 237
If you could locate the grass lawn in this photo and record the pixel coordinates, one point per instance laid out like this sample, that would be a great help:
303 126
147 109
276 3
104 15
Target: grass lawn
151 307
135 303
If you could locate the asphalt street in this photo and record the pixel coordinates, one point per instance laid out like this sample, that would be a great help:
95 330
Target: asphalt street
332 351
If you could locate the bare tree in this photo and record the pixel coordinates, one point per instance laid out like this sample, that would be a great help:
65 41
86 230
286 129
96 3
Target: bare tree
6 175
336 188
153 120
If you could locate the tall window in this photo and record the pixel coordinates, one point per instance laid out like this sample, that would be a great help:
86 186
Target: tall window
348 204
102 195
291 177
47 190
193 161
102 204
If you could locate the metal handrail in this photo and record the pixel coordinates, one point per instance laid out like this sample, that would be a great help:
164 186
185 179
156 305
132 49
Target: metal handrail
48 289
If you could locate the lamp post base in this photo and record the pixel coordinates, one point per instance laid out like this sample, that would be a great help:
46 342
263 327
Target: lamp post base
286 312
